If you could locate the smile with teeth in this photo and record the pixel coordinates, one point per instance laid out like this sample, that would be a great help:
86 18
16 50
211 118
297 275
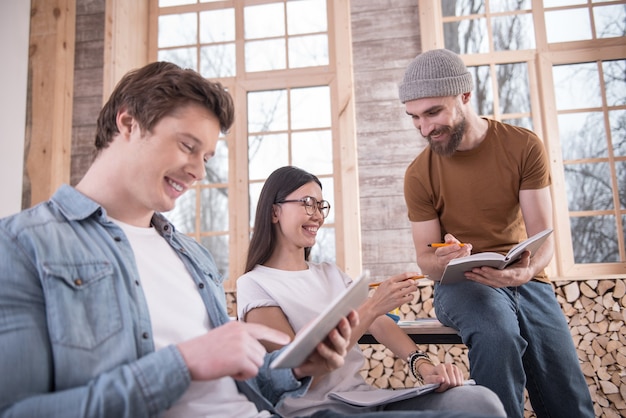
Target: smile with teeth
311 229
177 186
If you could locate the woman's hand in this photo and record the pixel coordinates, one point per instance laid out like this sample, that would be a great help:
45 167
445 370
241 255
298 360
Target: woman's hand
330 353
447 375
393 292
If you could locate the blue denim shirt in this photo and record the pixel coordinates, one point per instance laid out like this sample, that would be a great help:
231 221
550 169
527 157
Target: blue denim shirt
75 333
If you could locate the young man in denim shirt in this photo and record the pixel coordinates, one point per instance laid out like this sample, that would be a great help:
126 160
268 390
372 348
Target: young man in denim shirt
105 309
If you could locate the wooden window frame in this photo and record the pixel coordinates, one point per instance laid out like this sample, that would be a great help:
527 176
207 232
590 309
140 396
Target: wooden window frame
338 76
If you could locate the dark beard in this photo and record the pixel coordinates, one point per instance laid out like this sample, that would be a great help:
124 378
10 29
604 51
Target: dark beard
448 148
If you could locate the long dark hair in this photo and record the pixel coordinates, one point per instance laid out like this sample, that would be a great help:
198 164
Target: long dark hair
280 184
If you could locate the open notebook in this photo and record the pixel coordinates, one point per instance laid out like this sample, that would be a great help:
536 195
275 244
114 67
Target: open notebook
384 396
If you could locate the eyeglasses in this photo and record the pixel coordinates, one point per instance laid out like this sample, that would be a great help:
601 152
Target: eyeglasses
310 204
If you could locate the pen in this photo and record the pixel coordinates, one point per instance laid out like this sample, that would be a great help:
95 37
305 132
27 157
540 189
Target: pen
422 276
444 244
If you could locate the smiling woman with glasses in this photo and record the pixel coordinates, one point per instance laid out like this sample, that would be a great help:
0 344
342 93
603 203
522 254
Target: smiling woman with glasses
283 289
310 203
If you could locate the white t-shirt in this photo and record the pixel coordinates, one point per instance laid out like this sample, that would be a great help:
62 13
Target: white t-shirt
302 296
177 314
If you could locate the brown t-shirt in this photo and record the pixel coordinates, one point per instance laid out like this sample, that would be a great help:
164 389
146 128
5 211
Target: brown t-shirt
475 194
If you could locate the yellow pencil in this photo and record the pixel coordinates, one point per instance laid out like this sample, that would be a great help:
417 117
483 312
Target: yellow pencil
421 276
444 244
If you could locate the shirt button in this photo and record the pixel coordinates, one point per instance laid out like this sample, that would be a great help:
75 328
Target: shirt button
78 282
145 335
201 285
117 239
137 282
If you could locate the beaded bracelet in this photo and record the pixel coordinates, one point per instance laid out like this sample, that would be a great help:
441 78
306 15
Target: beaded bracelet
412 361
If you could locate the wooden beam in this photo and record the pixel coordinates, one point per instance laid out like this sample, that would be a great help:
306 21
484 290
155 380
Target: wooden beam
125 40
51 79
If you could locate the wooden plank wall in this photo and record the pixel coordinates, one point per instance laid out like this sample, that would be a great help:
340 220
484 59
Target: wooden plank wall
385 38
88 75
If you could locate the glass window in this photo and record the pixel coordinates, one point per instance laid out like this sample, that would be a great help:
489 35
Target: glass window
274 57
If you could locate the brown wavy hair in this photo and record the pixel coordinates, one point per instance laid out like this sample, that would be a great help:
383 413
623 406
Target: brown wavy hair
157 90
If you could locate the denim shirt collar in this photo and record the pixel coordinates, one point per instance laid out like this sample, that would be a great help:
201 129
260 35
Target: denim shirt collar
75 206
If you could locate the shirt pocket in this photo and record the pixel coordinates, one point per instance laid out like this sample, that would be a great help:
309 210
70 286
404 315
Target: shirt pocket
82 304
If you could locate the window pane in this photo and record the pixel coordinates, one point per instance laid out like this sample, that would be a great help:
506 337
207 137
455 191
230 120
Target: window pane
594 239
267 111
218 246
254 193
218 61
482 96
177 30
496 6
217 166
583 136
620 170
618 132
264 21
313 151
559 3
615 82
217 26
214 213
306 16
265 55
521 122
310 107
328 191
610 21
588 186
183 57
514 92
513 32
324 248
266 153
577 86
467 36
167 3
308 51
183 216
462 7
568 25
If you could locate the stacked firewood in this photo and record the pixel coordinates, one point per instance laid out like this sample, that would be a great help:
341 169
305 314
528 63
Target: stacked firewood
596 312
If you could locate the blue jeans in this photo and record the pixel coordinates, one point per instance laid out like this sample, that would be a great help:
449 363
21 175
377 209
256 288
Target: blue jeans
518 337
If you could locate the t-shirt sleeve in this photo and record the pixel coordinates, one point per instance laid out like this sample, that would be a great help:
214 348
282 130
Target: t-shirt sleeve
251 295
536 170
418 200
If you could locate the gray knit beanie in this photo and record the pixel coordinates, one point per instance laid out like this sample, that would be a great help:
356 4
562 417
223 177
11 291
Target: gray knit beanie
435 73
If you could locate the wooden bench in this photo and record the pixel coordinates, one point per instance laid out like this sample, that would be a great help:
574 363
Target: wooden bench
423 331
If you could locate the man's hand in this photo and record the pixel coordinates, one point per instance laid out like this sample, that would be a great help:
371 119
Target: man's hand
453 249
514 275
232 349
329 354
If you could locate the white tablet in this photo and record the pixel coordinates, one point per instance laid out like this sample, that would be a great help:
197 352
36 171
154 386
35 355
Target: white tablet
312 334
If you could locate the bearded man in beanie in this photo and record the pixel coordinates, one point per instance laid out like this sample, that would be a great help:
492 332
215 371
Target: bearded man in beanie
482 185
